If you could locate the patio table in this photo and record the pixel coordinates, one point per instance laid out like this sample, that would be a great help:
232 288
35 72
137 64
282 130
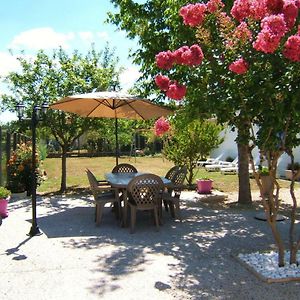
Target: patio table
120 181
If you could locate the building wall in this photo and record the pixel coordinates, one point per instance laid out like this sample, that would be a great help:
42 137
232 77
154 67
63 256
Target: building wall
229 148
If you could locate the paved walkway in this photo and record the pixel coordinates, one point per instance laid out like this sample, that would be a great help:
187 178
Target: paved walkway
73 259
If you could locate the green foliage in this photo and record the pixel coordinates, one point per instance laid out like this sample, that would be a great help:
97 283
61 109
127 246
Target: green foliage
20 169
191 140
264 171
42 150
47 78
4 192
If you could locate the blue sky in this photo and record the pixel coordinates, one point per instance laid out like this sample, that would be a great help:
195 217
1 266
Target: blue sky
73 24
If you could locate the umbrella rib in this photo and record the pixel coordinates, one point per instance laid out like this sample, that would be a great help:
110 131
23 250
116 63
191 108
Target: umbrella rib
100 102
129 104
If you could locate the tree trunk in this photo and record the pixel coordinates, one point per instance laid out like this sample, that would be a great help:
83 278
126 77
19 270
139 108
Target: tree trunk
243 174
63 184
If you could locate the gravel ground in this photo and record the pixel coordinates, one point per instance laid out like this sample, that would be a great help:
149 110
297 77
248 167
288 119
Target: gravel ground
195 259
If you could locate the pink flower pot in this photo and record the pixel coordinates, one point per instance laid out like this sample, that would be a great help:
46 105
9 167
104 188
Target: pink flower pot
3 208
204 186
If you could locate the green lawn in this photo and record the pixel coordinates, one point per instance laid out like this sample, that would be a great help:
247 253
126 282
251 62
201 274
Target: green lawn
76 177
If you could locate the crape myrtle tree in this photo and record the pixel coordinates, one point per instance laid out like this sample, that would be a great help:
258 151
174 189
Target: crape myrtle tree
157 26
186 141
49 77
250 61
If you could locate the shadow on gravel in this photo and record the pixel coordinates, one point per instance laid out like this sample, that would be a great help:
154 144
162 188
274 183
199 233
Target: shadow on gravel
203 245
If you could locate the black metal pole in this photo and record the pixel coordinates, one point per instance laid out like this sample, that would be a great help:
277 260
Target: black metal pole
34 227
117 141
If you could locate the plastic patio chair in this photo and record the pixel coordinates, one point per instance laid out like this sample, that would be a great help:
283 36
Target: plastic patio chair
102 195
145 193
171 198
124 168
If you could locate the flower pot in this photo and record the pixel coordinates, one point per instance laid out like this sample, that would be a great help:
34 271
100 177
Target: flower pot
204 186
267 185
3 207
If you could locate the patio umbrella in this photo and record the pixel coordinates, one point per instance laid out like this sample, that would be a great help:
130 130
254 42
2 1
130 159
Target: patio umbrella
115 105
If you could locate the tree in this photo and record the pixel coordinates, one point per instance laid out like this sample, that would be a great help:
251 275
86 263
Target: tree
252 69
189 141
46 78
158 26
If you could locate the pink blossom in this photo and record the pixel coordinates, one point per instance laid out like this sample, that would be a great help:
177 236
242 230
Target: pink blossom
275 24
273 29
266 42
275 6
161 126
258 9
162 82
292 48
239 66
290 11
176 91
214 5
189 56
178 54
165 60
193 14
240 9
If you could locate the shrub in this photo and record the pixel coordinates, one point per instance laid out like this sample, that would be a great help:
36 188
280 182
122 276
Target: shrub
4 192
19 169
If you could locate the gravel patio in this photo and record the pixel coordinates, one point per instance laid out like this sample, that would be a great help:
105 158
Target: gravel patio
195 259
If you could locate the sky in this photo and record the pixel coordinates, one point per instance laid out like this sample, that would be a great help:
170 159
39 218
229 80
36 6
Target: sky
31 25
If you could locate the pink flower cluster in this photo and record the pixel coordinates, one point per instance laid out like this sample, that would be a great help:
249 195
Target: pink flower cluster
176 91
193 14
239 66
165 60
214 5
173 89
258 9
255 9
273 29
162 82
290 12
192 56
189 56
292 48
161 126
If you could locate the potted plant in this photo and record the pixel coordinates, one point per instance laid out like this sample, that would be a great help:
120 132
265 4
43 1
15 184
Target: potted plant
266 181
4 198
289 173
204 185
19 170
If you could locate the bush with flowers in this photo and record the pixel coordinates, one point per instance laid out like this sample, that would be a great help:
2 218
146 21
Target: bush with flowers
19 169
248 73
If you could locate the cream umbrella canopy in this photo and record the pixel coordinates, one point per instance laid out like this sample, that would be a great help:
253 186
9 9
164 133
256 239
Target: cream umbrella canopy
115 105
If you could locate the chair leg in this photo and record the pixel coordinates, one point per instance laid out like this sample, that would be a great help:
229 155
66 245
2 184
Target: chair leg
172 209
166 205
178 212
99 208
132 219
156 218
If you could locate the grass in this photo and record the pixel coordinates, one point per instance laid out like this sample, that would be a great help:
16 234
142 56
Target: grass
76 177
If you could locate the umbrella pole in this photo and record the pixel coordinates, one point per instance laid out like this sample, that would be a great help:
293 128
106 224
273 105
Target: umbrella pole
117 142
